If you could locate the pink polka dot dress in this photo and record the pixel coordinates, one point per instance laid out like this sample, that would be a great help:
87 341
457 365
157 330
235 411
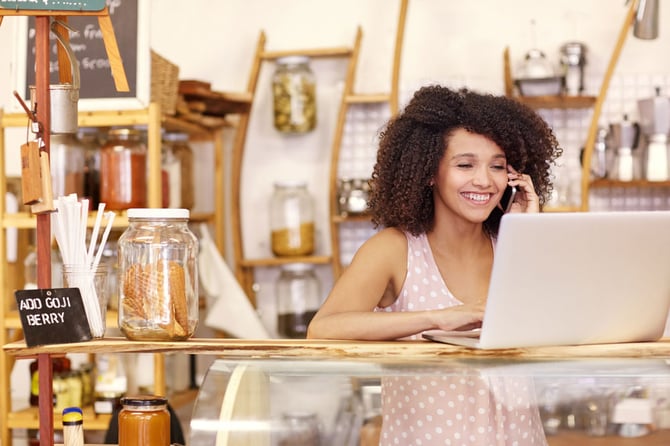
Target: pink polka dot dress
451 405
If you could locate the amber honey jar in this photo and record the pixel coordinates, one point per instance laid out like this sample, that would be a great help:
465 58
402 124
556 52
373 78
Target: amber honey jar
123 170
144 420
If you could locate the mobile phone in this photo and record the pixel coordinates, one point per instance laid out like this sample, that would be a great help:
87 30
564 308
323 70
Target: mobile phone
508 198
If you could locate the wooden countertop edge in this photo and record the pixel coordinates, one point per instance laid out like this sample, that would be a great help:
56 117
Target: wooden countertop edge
404 351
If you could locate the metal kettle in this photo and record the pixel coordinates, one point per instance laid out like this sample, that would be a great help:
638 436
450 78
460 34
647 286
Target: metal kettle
625 137
646 20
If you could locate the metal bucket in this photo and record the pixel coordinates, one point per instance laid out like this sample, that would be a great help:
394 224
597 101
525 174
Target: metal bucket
64 97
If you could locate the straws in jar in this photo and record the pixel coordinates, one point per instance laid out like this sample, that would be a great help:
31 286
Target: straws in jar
69 226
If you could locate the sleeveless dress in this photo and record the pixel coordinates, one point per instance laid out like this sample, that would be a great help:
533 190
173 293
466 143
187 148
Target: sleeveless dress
453 404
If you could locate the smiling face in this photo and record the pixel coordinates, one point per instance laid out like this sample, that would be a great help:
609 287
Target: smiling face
471 177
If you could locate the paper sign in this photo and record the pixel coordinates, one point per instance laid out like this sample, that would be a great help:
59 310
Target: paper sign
52 316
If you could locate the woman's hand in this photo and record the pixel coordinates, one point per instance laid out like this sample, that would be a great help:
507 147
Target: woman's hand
460 317
526 199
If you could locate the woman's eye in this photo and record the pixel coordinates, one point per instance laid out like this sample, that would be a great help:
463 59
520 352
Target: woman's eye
464 165
499 167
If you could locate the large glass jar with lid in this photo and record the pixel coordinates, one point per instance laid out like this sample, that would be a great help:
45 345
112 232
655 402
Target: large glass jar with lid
158 277
292 219
298 298
123 170
294 94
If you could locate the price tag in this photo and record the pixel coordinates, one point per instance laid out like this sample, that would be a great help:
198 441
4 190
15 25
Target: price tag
52 316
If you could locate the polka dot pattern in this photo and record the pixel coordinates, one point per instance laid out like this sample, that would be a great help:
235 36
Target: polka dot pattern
451 407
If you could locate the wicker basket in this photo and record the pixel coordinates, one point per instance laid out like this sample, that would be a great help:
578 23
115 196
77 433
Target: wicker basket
164 83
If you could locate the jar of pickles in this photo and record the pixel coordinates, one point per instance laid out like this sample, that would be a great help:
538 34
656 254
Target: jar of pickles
158 277
292 219
144 420
294 94
123 170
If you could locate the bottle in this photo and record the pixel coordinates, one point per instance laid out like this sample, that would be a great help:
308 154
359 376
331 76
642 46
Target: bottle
158 277
184 154
123 170
298 298
88 138
144 420
292 219
294 95
73 429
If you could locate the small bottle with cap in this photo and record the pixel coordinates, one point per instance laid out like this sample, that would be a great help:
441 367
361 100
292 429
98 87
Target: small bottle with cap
73 429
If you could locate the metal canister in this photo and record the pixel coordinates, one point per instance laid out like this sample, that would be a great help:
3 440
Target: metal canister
573 62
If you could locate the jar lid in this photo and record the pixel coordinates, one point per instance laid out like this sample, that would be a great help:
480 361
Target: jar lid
292 60
143 400
290 183
149 213
297 267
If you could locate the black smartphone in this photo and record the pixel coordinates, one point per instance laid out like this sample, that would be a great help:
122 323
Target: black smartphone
508 198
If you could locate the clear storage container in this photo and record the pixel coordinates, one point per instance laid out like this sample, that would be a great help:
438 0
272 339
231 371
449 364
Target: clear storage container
181 149
292 219
294 93
298 299
158 277
123 170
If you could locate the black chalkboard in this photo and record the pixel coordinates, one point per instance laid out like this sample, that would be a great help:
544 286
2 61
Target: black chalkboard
52 316
89 48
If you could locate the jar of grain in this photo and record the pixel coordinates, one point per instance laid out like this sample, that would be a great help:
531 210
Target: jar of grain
298 293
292 219
123 170
158 277
294 94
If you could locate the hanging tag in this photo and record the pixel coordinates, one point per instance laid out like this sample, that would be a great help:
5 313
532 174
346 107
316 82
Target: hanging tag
31 185
47 203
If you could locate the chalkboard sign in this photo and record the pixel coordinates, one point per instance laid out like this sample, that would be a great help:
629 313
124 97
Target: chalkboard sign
97 89
54 5
52 316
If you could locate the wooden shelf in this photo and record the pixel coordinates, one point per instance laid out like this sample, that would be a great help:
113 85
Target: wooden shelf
657 438
338 219
371 98
278 261
604 184
309 52
560 102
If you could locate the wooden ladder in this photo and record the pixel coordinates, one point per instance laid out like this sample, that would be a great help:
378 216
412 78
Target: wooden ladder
351 99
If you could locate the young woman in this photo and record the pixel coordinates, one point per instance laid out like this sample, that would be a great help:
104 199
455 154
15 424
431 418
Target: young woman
442 167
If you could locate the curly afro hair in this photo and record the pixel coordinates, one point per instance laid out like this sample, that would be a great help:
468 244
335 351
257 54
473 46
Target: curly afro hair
413 143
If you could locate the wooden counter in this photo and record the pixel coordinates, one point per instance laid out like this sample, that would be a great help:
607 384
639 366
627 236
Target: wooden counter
398 351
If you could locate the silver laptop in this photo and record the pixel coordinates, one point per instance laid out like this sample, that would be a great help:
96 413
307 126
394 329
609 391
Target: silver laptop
575 278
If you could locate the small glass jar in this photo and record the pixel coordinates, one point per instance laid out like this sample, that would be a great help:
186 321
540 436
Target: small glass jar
158 277
301 429
298 298
171 176
88 138
144 420
292 219
182 151
294 93
67 159
123 170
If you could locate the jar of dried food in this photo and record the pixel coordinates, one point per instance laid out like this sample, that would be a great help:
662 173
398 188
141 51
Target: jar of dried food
144 420
67 159
292 219
294 93
123 170
300 429
158 277
89 139
298 298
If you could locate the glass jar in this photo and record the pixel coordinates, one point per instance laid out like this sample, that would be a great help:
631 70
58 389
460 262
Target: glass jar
158 277
182 151
301 429
298 298
144 420
123 170
292 219
67 159
294 93
88 138
171 176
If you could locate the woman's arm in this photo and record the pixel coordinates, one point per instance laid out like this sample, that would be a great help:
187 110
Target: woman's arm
379 268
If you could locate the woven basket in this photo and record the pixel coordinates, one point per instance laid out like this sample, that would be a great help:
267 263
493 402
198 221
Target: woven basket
164 83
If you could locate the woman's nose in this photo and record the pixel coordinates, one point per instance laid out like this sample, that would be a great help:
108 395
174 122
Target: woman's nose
482 178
